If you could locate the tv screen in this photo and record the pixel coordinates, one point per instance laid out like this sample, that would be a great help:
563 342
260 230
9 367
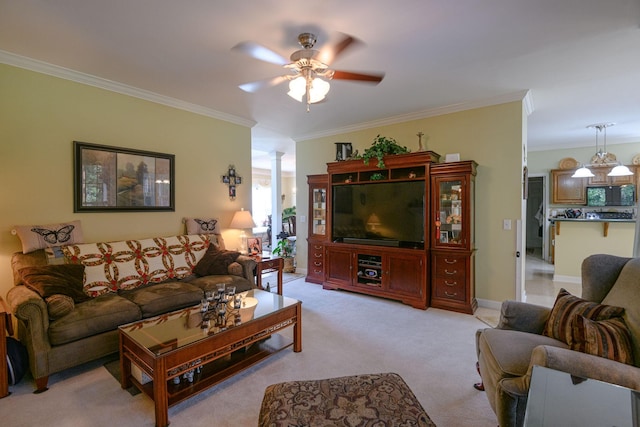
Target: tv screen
384 213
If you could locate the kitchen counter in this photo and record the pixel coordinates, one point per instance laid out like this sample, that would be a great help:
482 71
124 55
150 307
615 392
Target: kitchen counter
577 238
591 220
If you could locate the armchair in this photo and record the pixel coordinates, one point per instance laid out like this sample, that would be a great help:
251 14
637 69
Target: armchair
507 353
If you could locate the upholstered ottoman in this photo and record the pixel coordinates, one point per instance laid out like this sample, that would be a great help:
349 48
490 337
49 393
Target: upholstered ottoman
359 400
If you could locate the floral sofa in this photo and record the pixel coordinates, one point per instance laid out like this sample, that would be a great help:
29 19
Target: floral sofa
69 313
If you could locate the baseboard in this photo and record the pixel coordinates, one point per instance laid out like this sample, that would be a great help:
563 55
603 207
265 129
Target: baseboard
567 279
485 303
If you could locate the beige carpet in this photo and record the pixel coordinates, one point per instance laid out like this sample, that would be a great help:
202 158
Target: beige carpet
343 334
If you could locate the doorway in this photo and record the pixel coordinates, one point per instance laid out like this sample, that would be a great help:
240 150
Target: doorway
536 227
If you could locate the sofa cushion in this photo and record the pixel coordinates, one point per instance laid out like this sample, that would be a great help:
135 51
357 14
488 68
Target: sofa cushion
215 261
626 293
605 338
509 352
34 237
567 307
164 297
59 306
103 313
208 283
129 264
48 280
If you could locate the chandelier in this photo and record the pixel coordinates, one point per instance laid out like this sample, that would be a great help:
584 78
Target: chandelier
602 157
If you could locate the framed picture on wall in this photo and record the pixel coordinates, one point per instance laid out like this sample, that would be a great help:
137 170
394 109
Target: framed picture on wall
113 179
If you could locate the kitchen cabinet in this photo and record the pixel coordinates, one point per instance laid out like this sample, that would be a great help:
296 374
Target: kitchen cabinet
568 190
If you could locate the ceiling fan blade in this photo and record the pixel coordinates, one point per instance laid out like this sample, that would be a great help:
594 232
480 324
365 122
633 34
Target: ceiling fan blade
260 52
262 84
347 75
329 54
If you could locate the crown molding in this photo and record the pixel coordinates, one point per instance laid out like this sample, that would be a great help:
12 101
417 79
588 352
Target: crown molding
90 80
423 114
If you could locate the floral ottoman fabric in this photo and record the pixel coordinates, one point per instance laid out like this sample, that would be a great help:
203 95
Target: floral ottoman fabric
373 400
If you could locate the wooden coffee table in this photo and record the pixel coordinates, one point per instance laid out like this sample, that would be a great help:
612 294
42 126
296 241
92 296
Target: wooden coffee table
180 345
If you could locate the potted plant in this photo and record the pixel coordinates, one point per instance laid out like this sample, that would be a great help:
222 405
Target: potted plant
381 147
284 248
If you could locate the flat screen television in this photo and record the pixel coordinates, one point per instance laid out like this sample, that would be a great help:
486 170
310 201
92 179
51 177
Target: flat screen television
383 213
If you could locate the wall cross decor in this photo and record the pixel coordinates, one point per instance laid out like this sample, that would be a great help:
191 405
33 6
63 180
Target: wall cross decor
231 179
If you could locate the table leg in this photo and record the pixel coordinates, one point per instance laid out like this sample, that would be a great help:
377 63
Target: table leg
125 367
297 329
4 377
280 268
160 394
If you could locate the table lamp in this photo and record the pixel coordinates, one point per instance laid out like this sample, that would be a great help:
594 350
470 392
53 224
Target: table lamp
242 220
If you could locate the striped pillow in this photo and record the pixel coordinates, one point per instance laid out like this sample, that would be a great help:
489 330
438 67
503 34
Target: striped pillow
605 338
564 311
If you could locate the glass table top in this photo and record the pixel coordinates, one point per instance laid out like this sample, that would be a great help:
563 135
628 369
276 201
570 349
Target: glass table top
559 399
171 331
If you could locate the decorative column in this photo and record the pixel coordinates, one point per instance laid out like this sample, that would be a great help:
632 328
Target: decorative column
276 192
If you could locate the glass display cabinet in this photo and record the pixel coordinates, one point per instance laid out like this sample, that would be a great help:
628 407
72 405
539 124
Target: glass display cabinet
317 226
453 236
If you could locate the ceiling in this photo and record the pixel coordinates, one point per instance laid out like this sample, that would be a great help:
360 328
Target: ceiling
579 59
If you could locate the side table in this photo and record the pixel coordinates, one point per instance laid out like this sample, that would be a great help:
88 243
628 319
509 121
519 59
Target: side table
269 265
5 324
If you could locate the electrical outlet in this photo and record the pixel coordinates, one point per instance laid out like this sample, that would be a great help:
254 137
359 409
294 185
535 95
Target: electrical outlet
506 224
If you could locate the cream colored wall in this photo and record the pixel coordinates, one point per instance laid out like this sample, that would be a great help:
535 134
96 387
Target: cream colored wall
41 115
578 240
492 136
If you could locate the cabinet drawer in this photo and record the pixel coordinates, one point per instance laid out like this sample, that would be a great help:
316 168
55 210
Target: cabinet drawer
449 288
452 267
269 264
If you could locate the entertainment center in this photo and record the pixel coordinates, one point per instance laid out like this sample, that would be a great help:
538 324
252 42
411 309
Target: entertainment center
404 232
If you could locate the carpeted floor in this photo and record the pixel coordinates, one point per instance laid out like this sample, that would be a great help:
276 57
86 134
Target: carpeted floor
343 334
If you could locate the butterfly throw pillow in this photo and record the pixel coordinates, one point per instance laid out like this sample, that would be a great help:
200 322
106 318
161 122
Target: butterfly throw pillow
36 237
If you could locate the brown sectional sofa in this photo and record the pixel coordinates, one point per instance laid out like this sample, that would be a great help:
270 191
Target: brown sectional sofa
88 328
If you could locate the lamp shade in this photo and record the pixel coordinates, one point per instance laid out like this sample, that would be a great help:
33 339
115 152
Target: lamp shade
242 219
620 170
583 172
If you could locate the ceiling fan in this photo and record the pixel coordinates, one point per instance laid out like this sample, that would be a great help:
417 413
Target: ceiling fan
309 68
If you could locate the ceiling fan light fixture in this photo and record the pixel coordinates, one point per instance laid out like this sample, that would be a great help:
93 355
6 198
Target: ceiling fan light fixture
297 88
318 89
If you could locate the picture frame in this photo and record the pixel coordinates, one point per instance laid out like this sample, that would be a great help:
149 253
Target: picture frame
116 179
444 237
254 245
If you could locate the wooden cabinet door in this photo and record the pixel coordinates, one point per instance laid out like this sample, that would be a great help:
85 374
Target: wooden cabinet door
406 274
339 266
568 190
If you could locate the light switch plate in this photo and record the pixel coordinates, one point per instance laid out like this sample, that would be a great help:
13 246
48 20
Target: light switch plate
506 224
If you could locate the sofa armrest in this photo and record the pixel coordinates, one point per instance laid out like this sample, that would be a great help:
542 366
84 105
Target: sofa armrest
522 316
33 318
248 267
577 364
